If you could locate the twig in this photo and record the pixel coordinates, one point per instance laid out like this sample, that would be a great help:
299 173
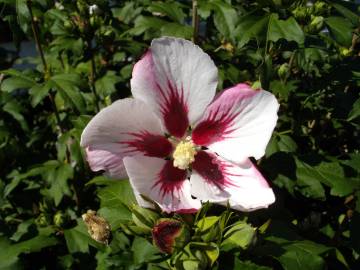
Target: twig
195 20
92 80
46 74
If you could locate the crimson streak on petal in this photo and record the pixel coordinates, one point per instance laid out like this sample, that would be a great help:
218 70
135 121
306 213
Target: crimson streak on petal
212 169
170 178
151 145
214 128
174 110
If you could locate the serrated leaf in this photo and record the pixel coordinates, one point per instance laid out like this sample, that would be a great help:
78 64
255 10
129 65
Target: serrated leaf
78 239
286 29
17 80
10 252
22 229
38 92
143 251
57 176
144 23
330 174
340 29
172 9
106 84
15 110
248 265
177 30
355 111
23 15
116 194
68 86
240 235
225 17
251 27
347 13
297 255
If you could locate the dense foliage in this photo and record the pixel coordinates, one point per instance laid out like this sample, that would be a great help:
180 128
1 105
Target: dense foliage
305 52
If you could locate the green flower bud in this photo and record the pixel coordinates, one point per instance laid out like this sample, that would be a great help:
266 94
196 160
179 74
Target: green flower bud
170 235
320 8
301 13
59 219
345 51
317 23
82 6
283 71
68 25
42 220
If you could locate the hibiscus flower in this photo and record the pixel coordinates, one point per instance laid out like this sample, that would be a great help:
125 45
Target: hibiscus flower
178 143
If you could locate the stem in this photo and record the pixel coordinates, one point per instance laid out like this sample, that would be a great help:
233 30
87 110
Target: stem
36 36
195 20
92 79
46 75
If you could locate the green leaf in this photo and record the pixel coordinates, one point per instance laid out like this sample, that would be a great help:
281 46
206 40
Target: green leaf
240 235
78 239
10 252
330 174
340 29
286 29
116 194
68 86
22 229
355 112
248 265
23 15
269 28
127 13
17 80
106 84
172 9
177 30
347 13
38 92
297 255
15 110
144 23
281 142
225 17
116 216
251 27
57 175
143 251
308 183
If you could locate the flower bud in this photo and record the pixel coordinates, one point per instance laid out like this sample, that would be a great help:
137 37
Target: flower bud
345 51
320 8
301 13
283 71
98 228
170 234
59 219
316 24
42 220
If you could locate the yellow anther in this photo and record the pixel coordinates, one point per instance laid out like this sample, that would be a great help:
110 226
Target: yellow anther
184 154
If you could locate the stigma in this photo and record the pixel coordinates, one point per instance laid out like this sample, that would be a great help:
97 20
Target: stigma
184 154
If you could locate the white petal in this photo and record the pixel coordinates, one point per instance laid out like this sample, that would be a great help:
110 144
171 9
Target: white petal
177 79
215 179
125 128
102 160
238 123
151 177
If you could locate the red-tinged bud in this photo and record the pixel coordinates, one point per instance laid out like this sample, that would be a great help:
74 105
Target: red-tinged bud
170 234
